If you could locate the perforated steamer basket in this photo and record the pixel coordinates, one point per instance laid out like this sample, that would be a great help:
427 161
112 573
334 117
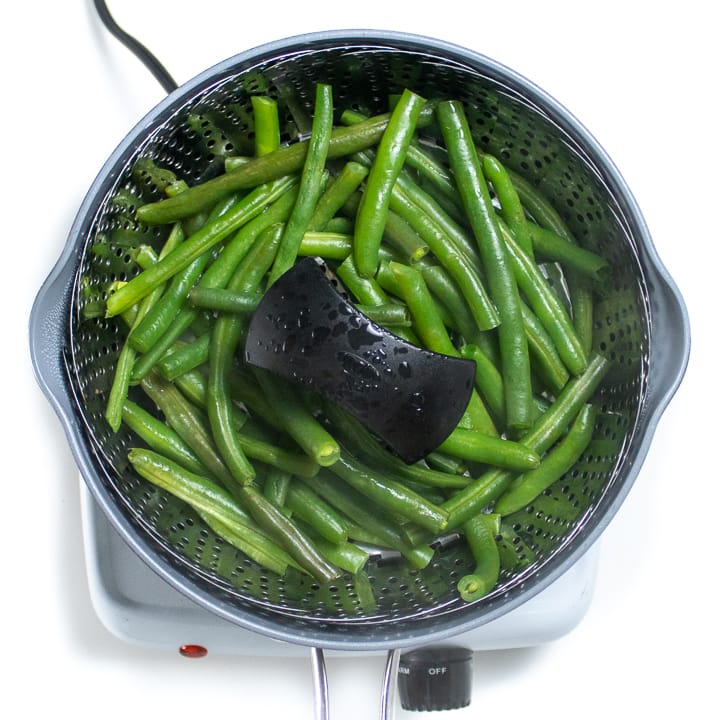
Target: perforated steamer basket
641 325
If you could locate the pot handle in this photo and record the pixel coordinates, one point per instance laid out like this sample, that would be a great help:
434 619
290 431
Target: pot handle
320 685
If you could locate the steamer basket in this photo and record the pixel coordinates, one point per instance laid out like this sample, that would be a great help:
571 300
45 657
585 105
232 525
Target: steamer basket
640 325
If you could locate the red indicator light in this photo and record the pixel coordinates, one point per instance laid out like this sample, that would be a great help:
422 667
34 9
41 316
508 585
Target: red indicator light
193 651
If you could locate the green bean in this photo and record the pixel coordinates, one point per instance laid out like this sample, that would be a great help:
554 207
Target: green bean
155 323
145 363
427 320
224 339
583 303
267 124
157 320
287 160
145 256
391 314
311 183
345 555
190 425
220 272
367 521
453 260
280 458
418 556
448 294
217 276
446 464
212 502
547 362
129 316
401 237
244 210
160 437
488 380
364 445
501 282
429 326
185 357
370 292
330 246
223 300
297 420
480 532
397 233
316 512
352 117
422 162
437 175
454 233
120 386
581 295
193 386
554 248
288 535
511 208
388 493
546 430
341 225
278 560
546 306
559 460
336 194
372 213
276 486
499 452
127 357
367 291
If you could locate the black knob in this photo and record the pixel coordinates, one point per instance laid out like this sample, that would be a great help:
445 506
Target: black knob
435 678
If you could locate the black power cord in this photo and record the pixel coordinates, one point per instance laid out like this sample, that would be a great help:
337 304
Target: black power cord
137 48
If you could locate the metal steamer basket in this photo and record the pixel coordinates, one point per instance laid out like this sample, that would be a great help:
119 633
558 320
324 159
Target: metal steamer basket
640 325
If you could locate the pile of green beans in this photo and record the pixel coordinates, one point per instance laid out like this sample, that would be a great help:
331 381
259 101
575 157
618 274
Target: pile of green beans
445 250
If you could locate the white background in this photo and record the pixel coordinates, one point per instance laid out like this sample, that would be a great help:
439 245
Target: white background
642 77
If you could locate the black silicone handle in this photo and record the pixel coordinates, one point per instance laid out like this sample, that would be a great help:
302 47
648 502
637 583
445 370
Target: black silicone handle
306 330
